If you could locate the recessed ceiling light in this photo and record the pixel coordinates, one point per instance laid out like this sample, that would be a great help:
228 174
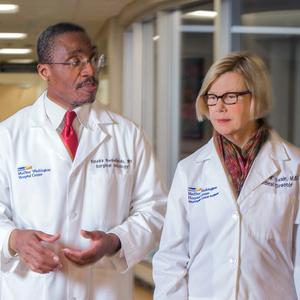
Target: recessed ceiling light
15 50
9 8
201 14
21 61
12 35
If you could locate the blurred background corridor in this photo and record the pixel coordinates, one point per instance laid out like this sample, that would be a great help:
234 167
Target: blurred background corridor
156 55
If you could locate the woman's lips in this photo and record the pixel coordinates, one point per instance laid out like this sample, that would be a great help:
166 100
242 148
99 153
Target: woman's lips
222 121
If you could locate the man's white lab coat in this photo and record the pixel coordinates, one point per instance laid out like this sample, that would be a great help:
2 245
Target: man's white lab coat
112 186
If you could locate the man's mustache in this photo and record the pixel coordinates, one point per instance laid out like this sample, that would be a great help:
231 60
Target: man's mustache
89 80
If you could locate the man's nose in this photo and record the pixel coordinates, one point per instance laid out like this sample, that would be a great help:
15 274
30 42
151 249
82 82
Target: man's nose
88 69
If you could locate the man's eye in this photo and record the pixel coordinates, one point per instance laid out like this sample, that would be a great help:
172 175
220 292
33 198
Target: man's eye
75 62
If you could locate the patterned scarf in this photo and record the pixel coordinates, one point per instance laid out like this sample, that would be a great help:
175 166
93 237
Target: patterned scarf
239 161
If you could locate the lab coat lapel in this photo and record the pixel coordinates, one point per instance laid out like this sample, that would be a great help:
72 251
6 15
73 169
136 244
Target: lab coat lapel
216 172
89 141
40 125
264 166
221 177
95 133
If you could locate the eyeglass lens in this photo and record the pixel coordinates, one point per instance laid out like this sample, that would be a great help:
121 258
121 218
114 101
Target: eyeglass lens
227 98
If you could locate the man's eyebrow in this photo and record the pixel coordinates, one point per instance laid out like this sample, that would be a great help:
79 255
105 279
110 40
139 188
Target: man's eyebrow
75 52
81 51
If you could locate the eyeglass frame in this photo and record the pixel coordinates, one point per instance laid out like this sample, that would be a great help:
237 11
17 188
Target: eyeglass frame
222 97
81 63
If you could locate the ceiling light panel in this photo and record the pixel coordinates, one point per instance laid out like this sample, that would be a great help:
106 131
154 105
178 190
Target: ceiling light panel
8 8
201 14
15 51
21 61
12 35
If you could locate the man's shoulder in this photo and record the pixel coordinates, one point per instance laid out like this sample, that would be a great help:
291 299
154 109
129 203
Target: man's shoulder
22 117
14 125
107 117
17 118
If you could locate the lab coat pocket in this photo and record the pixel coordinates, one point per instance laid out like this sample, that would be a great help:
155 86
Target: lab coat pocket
208 212
271 217
109 200
30 283
34 198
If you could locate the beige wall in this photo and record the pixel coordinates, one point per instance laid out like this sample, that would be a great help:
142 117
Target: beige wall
17 91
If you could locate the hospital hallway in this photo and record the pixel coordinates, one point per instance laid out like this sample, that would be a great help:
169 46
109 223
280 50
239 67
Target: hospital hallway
142 291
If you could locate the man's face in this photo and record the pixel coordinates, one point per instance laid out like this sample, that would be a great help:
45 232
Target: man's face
70 85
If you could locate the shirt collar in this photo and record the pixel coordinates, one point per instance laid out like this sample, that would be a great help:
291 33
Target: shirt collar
55 113
89 116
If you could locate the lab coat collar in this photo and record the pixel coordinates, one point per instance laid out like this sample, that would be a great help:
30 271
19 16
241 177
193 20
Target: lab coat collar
274 148
95 115
38 116
206 152
265 164
89 115
97 121
94 120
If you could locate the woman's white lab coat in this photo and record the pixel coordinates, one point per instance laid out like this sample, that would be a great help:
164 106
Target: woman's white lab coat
112 185
217 247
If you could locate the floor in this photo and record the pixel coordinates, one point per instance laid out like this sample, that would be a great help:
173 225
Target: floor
142 292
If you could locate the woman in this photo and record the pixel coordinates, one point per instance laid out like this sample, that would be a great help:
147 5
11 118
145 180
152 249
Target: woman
231 224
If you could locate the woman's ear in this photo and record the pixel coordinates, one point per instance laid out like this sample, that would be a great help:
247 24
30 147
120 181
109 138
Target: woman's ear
43 71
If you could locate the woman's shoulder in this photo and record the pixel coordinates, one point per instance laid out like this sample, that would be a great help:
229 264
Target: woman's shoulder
279 142
203 153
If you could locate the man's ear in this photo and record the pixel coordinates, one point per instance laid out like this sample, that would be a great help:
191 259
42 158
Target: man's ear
43 71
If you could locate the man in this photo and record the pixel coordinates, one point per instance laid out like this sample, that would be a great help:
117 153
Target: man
80 198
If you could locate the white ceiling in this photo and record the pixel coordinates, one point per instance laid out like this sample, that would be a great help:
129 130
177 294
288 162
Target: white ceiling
35 15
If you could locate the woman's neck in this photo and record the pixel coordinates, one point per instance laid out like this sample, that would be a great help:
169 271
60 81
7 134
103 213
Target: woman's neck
241 137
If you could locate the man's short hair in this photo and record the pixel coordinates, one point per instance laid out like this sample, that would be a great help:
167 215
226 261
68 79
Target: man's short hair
255 76
45 42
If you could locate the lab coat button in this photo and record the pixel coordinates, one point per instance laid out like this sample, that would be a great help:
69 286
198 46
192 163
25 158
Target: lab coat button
232 260
235 215
73 216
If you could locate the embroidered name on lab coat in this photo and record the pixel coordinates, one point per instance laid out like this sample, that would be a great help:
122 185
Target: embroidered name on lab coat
281 182
26 172
198 194
108 163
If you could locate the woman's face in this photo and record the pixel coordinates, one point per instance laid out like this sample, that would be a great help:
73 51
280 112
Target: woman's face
232 120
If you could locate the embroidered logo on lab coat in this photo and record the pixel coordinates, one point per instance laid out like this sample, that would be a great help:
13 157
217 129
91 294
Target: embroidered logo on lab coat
26 172
198 194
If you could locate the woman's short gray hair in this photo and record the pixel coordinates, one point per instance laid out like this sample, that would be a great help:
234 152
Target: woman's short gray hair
255 75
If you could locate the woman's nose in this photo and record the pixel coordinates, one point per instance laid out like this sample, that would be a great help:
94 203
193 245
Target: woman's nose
220 106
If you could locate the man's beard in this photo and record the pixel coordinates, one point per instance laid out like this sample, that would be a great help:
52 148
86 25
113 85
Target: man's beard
78 103
91 99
